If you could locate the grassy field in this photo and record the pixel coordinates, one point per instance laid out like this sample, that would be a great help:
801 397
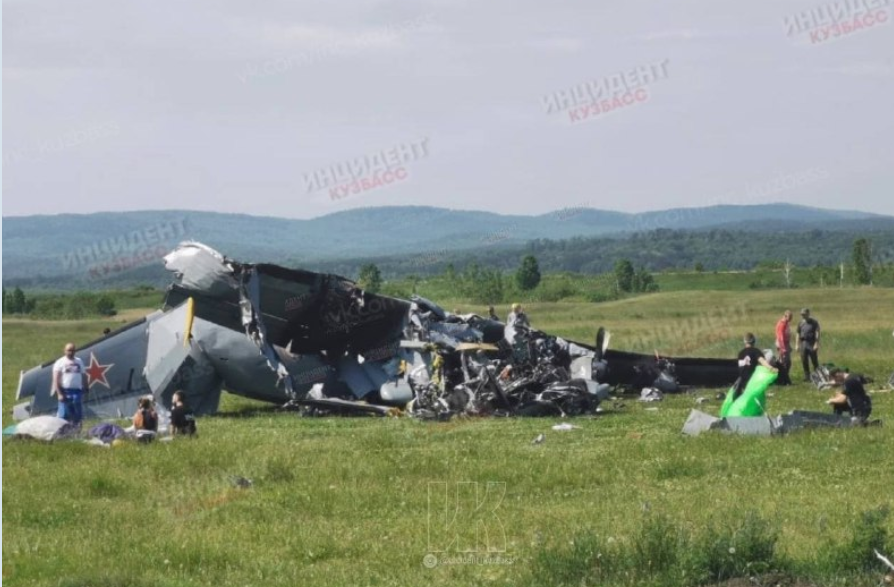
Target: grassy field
362 501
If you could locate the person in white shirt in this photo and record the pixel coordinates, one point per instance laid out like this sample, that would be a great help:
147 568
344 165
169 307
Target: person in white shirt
70 385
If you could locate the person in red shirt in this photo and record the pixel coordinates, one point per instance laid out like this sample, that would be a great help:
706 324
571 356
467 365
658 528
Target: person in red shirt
784 348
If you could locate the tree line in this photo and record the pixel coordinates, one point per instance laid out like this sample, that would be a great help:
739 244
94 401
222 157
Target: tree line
656 251
59 307
491 286
482 284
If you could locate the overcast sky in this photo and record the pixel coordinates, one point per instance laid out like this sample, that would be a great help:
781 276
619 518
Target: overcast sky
249 106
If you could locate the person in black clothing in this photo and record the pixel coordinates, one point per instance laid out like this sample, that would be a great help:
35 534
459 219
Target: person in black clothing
491 314
145 417
749 358
183 421
808 342
853 399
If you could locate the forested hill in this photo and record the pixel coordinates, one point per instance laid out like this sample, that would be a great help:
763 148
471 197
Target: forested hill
715 249
124 249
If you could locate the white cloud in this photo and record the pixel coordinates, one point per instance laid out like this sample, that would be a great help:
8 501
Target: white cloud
560 44
674 35
224 104
303 37
867 69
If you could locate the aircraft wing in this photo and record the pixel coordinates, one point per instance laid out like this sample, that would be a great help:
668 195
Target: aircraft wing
114 366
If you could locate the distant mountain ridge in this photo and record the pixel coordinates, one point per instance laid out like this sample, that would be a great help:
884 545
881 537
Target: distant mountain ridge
116 244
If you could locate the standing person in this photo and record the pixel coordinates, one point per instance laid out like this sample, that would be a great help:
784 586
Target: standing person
749 358
70 385
183 421
517 316
784 348
808 342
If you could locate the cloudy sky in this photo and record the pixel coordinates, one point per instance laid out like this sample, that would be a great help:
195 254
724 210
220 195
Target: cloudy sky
297 109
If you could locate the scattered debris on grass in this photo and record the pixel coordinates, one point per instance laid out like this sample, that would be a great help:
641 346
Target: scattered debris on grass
699 422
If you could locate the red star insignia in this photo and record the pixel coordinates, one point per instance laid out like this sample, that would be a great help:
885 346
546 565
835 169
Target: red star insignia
96 372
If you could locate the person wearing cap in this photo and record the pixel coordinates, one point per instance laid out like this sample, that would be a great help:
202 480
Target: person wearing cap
784 348
749 358
70 385
808 342
517 316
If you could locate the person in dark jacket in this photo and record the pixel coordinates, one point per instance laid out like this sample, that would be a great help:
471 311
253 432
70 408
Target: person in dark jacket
808 342
183 421
853 399
749 358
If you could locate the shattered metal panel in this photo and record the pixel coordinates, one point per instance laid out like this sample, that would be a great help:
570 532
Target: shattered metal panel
197 267
640 370
759 426
798 420
699 422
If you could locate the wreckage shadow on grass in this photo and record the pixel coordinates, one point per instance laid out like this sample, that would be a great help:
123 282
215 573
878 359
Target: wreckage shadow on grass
247 412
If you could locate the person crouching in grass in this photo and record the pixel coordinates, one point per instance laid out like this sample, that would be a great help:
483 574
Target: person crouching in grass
852 399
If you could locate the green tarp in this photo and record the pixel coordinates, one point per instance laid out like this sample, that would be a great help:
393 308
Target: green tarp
753 401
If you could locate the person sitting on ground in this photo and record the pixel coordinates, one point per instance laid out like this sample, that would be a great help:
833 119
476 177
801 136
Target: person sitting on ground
749 358
183 421
853 399
146 418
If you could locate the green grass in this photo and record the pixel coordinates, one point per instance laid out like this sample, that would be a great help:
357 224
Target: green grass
347 501
762 278
711 280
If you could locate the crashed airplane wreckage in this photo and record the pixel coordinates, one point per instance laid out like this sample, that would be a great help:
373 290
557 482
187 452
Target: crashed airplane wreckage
318 342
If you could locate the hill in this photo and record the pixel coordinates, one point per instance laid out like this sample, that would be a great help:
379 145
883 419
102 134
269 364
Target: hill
120 249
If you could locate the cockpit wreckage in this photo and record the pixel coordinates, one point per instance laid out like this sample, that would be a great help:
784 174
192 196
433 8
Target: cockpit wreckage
318 343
